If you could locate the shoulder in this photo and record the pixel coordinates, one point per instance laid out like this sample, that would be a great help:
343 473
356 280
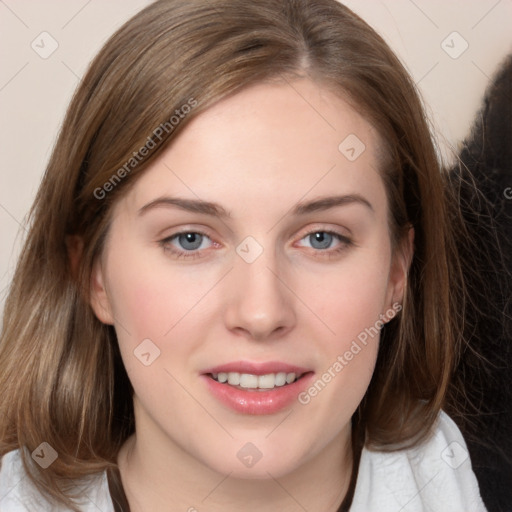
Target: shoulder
435 475
18 493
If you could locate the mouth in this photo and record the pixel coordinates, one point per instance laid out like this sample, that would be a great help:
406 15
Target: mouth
252 382
257 388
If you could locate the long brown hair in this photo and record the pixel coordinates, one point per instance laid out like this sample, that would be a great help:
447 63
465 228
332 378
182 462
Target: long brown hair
61 375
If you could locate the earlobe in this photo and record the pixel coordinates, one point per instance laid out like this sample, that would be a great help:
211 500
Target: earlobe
100 302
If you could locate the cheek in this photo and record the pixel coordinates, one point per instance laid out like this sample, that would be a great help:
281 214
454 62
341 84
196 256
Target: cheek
163 303
350 303
351 306
149 299
153 309
350 298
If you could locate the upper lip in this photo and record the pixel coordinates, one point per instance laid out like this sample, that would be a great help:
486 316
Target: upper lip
257 368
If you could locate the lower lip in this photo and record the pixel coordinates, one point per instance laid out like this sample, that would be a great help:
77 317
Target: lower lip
258 402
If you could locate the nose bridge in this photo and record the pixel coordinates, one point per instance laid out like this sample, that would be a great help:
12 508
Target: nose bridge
260 304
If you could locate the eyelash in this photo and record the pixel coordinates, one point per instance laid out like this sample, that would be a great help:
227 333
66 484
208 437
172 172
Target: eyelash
345 243
166 244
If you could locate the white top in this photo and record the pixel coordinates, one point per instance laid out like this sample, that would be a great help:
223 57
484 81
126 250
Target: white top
433 477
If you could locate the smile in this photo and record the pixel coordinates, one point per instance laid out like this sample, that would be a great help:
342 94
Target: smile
256 388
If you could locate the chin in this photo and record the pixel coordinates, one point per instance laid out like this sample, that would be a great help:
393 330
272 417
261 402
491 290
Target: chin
257 460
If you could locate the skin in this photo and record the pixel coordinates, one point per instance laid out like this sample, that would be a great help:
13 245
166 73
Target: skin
258 154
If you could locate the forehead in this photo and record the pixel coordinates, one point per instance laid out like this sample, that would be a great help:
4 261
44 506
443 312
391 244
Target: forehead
279 142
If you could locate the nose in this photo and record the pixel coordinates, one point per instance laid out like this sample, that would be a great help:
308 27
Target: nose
260 304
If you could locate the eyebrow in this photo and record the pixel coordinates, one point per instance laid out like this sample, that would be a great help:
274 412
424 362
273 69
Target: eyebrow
216 210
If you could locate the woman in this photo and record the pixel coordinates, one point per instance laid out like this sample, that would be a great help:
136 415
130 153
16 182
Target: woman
246 291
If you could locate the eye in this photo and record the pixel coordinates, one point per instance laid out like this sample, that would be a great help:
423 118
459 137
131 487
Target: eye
323 240
191 244
185 244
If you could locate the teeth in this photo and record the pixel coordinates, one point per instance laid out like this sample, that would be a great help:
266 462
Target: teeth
281 379
249 381
290 377
266 381
233 378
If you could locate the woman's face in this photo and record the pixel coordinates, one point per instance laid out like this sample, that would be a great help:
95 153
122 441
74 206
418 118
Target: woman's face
286 272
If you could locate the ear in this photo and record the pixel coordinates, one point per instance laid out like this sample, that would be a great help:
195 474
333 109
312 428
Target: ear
100 302
400 265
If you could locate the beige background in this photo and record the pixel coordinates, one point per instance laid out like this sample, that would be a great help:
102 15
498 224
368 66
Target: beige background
34 92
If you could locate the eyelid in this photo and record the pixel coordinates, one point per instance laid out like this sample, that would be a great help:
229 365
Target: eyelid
330 227
183 228
326 228
344 240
